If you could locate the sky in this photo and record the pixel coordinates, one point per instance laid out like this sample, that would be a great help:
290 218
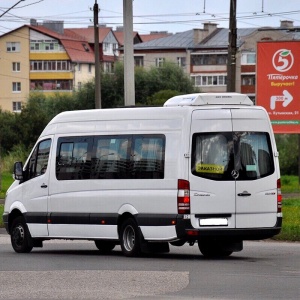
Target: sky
150 15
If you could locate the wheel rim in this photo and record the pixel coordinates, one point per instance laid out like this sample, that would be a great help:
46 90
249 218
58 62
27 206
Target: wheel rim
129 238
18 235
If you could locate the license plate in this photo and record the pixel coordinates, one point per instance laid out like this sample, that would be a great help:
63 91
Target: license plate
213 222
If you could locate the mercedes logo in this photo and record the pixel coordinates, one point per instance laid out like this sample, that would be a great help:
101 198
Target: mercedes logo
235 174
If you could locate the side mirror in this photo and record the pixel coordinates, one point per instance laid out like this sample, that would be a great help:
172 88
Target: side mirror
18 170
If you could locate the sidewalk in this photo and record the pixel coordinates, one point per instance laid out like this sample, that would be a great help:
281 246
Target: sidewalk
3 231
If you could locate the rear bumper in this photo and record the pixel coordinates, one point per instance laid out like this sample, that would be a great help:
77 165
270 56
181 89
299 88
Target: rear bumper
185 230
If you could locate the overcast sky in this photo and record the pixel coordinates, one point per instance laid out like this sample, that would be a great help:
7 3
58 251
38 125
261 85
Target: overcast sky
151 15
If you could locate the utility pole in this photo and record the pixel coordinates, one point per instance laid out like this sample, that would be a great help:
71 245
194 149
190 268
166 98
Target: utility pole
97 58
129 88
232 49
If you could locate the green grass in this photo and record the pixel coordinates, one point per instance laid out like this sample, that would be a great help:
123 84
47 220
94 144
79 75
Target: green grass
7 180
290 184
291 220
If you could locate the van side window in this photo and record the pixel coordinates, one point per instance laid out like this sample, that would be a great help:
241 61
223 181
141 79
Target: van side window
73 159
38 161
148 157
111 157
216 155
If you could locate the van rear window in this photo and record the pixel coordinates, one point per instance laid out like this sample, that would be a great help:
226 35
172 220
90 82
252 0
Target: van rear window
232 155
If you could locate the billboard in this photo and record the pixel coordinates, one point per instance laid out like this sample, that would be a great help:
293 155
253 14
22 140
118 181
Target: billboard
278 83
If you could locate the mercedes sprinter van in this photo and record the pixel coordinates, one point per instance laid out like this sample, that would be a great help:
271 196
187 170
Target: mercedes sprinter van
202 169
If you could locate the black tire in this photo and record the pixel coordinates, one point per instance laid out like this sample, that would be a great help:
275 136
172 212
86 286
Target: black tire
21 240
130 238
105 247
212 250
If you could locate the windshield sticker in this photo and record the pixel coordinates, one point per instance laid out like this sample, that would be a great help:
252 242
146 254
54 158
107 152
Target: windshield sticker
209 168
250 168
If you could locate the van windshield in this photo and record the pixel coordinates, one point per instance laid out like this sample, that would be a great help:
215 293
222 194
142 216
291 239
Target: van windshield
232 155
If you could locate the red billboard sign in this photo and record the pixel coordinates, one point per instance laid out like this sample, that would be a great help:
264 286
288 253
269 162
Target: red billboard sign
278 83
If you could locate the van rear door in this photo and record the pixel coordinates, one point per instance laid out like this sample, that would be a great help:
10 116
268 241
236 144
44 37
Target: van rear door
256 184
233 181
212 188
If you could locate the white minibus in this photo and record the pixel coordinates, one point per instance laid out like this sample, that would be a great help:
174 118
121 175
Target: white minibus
201 170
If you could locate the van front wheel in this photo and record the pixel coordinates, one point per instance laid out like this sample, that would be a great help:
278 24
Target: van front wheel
20 236
130 238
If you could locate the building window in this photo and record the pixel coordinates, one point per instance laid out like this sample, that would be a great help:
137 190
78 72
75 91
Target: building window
45 45
13 47
17 106
16 86
209 59
49 46
79 85
108 67
139 61
50 65
105 47
79 67
248 79
16 67
209 80
248 58
90 68
181 61
159 62
50 85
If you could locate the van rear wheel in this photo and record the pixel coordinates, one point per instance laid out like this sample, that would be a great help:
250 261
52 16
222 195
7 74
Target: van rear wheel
21 240
130 238
105 247
213 250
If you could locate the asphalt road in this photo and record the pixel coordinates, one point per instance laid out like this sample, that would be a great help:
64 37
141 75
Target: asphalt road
76 270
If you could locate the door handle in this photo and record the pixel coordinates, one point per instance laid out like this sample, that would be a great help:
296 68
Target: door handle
244 194
43 186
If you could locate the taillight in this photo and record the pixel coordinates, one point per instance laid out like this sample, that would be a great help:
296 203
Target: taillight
279 196
183 197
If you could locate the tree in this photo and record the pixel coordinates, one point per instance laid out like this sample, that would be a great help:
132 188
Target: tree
287 145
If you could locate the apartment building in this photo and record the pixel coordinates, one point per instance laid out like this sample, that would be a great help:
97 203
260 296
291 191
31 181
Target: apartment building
49 58
202 53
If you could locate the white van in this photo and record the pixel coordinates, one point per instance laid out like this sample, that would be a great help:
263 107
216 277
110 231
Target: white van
203 168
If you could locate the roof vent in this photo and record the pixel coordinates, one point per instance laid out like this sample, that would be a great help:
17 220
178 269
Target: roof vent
209 99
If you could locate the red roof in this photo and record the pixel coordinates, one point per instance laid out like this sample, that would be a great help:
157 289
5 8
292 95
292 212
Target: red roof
120 37
153 36
79 51
88 33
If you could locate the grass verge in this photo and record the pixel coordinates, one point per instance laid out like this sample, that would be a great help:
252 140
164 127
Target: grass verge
290 184
291 221
7 180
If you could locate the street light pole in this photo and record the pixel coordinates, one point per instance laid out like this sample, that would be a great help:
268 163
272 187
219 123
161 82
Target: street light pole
129 89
